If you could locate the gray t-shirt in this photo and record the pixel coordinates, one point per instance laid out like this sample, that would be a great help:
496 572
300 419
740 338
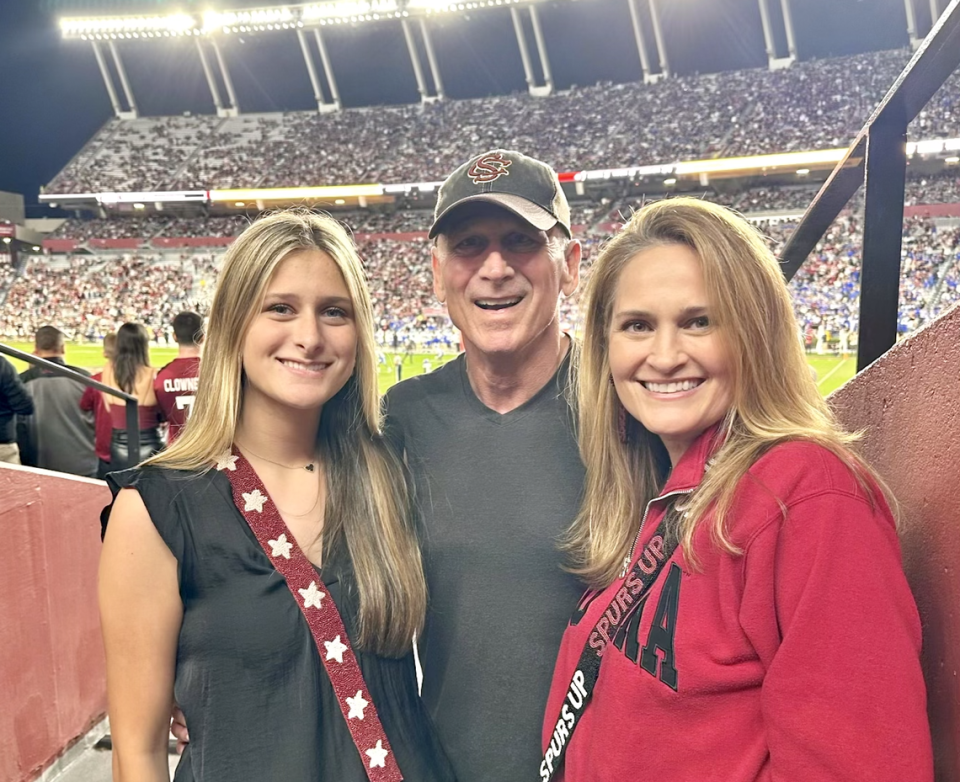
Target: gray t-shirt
495 492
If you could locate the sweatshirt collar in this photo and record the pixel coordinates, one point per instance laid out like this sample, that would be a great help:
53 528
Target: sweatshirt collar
695 461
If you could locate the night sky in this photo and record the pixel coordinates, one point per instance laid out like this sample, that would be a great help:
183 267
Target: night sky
52 98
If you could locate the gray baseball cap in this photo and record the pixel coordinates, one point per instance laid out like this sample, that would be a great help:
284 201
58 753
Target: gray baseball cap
522 185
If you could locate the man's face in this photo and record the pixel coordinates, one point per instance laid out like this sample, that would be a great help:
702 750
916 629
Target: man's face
500 277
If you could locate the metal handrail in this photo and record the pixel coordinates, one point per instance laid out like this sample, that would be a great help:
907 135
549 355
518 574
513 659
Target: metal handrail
877 156
133 422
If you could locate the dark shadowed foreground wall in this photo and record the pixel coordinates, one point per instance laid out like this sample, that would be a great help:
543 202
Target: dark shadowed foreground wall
52 677
909 403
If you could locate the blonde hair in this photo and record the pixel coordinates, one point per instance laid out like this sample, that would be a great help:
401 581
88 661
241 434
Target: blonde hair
368 508
775 398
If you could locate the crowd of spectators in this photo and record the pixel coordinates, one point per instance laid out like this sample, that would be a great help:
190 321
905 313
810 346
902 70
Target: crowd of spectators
118 228
8 273
942 189
812 105
950 291
148 227
826 288
590 218
134 154
370 222
88 295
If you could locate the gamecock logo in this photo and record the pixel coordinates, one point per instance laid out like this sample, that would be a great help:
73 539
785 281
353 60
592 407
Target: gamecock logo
489 168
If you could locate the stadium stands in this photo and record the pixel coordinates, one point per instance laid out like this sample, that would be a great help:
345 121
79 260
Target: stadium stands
812 105
89 295
586 215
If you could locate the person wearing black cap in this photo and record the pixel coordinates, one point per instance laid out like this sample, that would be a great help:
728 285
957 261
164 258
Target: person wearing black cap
489 442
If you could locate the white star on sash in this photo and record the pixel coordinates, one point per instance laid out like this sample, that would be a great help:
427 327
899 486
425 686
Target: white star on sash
280 547
254 500
227 462
377 755
335 649
312 597
357 704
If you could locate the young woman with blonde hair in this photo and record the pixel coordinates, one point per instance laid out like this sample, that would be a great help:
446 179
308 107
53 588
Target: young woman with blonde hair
747 616
264 571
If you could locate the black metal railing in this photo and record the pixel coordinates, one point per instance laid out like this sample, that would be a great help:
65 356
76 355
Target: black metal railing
877 158
133 423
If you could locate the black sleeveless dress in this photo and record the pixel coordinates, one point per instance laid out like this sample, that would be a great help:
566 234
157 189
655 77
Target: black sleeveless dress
256 696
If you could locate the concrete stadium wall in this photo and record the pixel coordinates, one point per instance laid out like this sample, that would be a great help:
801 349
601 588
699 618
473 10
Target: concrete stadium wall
52 674
909 403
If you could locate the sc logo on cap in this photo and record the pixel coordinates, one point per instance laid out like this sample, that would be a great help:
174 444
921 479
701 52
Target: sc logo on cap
489 168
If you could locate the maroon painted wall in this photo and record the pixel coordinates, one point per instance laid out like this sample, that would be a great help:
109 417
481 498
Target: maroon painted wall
52 675
909 403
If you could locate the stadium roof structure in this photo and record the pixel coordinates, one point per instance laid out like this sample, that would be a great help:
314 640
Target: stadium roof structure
209 27
309 20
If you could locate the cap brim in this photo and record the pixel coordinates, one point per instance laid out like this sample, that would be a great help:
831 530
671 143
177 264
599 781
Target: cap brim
526 210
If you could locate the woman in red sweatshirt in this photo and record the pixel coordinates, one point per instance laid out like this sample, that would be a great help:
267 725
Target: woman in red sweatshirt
747 618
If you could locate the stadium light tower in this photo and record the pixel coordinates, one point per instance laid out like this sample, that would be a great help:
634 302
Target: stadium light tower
658 36
911 23
788 25
648 76
775 61
547 87
425 96
210 28
322 104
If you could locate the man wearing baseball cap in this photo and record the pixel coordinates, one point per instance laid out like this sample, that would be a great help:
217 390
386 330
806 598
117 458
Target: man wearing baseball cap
489 441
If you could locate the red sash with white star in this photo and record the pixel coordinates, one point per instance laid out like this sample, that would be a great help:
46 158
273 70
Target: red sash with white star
323 618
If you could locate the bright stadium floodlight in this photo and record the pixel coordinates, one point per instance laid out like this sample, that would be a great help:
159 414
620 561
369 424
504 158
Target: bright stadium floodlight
452 6
349 10
111 27
272 18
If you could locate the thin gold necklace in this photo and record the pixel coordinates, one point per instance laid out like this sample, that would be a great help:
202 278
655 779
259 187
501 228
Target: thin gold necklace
309 467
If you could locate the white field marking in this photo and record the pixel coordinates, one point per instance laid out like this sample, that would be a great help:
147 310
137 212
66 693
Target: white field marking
833 371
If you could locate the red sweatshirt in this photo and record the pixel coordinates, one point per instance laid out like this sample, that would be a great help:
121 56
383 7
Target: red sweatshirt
797 661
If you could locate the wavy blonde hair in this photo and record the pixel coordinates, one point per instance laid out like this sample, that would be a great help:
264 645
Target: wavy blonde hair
368 507
775 397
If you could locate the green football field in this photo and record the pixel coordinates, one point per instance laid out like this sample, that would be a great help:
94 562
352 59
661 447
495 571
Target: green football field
832 371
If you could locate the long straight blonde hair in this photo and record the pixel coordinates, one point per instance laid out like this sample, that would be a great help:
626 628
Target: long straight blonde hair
368 508
775 396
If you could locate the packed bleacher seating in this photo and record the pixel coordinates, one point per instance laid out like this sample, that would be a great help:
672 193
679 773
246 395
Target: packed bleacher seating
123 228
88 295
826 288
942 189
950 288
589 217
812 105
7 274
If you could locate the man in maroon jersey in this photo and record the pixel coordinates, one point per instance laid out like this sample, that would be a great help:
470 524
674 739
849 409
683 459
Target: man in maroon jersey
176 384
